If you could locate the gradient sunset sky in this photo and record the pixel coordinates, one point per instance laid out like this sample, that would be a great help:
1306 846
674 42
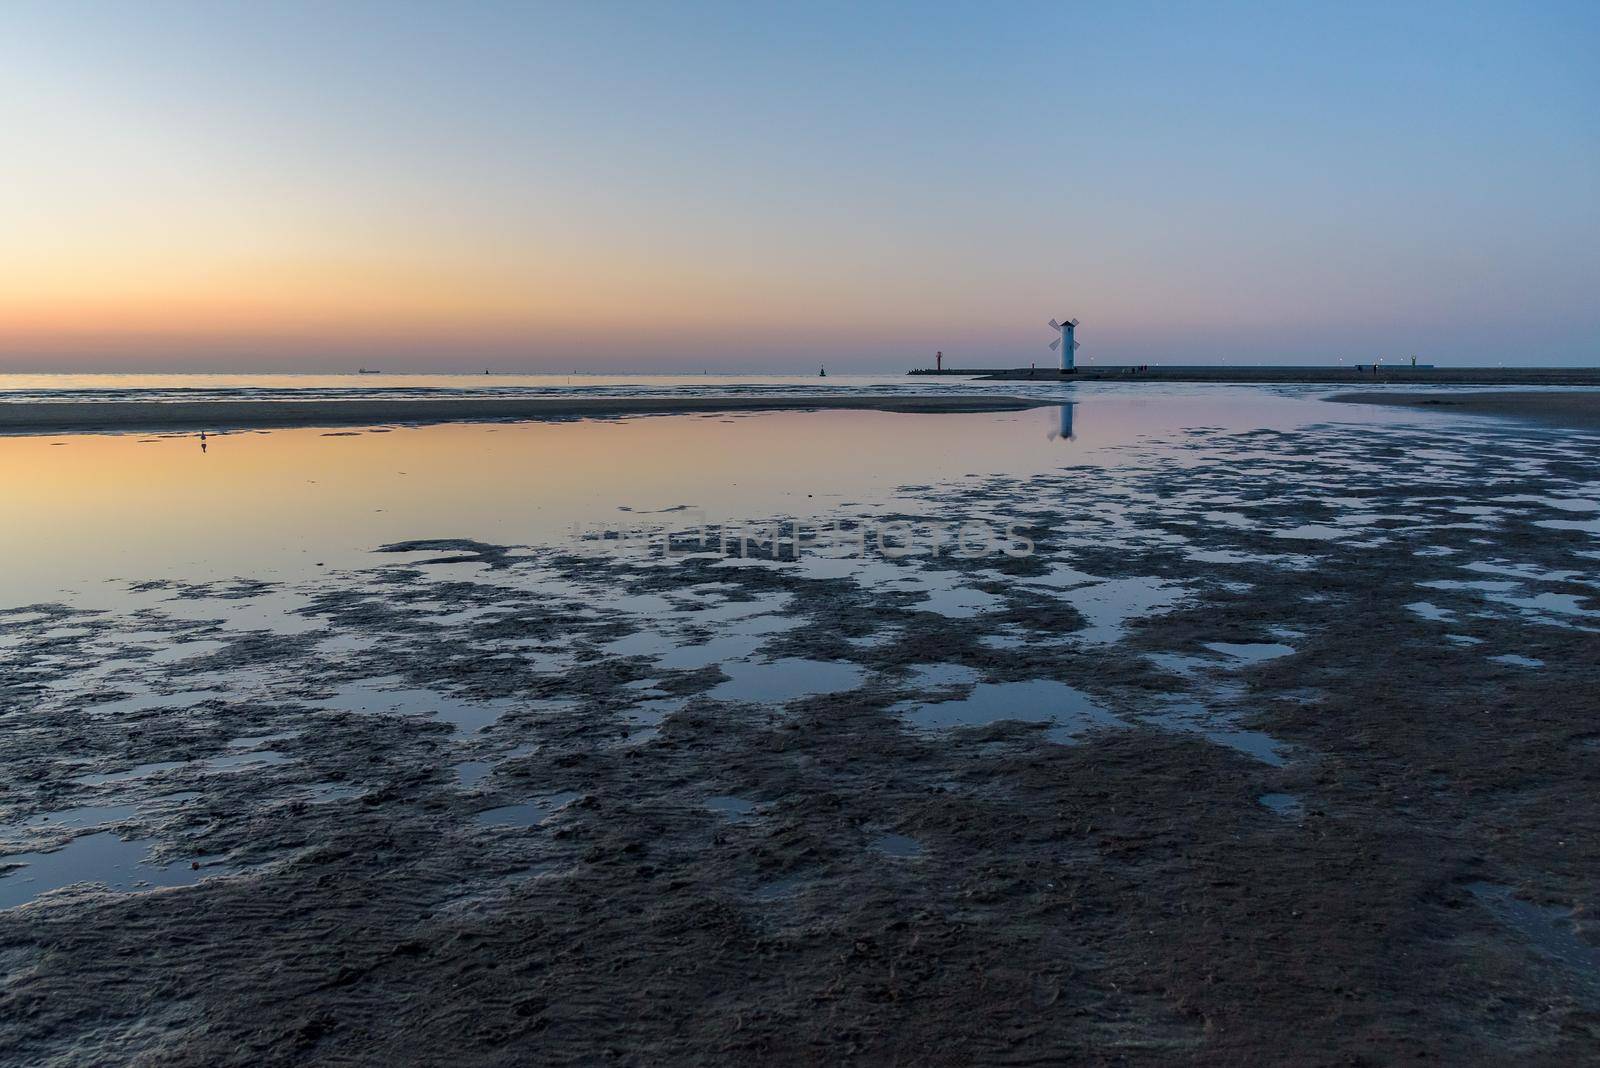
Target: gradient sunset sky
748 186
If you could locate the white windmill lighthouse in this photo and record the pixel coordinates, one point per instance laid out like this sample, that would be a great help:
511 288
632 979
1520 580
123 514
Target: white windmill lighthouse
1065 342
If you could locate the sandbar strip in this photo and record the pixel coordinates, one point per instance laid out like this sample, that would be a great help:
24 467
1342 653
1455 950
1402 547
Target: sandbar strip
1575 408
35 417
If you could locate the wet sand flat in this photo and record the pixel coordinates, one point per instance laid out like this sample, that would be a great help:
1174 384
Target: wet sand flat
1279 749
1568 409
59 416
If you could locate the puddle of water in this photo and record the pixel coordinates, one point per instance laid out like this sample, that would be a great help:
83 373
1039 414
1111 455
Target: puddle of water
1315 532
732 807
1523 571
14 618
1564 504
463 616
639 604
277 611
1109 605
961 602
539 657
1565 604
185 651
1236 520
1253 653
147 702
785 680
896 845
227 762
1193 717
779 889
1289 806
102 859
1548 929
648 717
1178 663
1034 701
653 711
877 638
735 636
471 772
723 647
461 713
518 751
348 643
78 818
259 758
639 643
1592 526
750 616
527 813
1234 556
253 740
1005 641
1062 577
937 676
138 771
1482 585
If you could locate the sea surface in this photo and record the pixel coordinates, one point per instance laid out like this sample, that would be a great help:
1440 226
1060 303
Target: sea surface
90 513
120 387
218 387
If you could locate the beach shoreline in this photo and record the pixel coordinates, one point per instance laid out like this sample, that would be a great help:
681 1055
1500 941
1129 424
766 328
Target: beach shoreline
59 416
1563 409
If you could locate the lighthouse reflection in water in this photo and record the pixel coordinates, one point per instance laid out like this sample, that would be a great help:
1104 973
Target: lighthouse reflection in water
1062 430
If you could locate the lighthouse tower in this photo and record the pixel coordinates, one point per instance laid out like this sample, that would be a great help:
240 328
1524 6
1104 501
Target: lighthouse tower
1066 342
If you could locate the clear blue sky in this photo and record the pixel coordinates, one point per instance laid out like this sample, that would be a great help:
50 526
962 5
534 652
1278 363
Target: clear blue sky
752 186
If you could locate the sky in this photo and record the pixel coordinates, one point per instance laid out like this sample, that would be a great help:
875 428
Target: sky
616 187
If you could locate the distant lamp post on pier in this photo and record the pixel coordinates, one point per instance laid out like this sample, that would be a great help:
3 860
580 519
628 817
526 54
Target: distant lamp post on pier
1065 343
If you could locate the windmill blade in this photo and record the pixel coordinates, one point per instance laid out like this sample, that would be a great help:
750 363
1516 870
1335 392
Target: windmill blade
1076 345
1054 325
1056 344
1072 322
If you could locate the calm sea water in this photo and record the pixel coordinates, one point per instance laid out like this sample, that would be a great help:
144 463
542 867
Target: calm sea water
89 513
119 387
109 387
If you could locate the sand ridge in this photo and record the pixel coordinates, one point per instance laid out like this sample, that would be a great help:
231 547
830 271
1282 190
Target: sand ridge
1569 408
42 417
